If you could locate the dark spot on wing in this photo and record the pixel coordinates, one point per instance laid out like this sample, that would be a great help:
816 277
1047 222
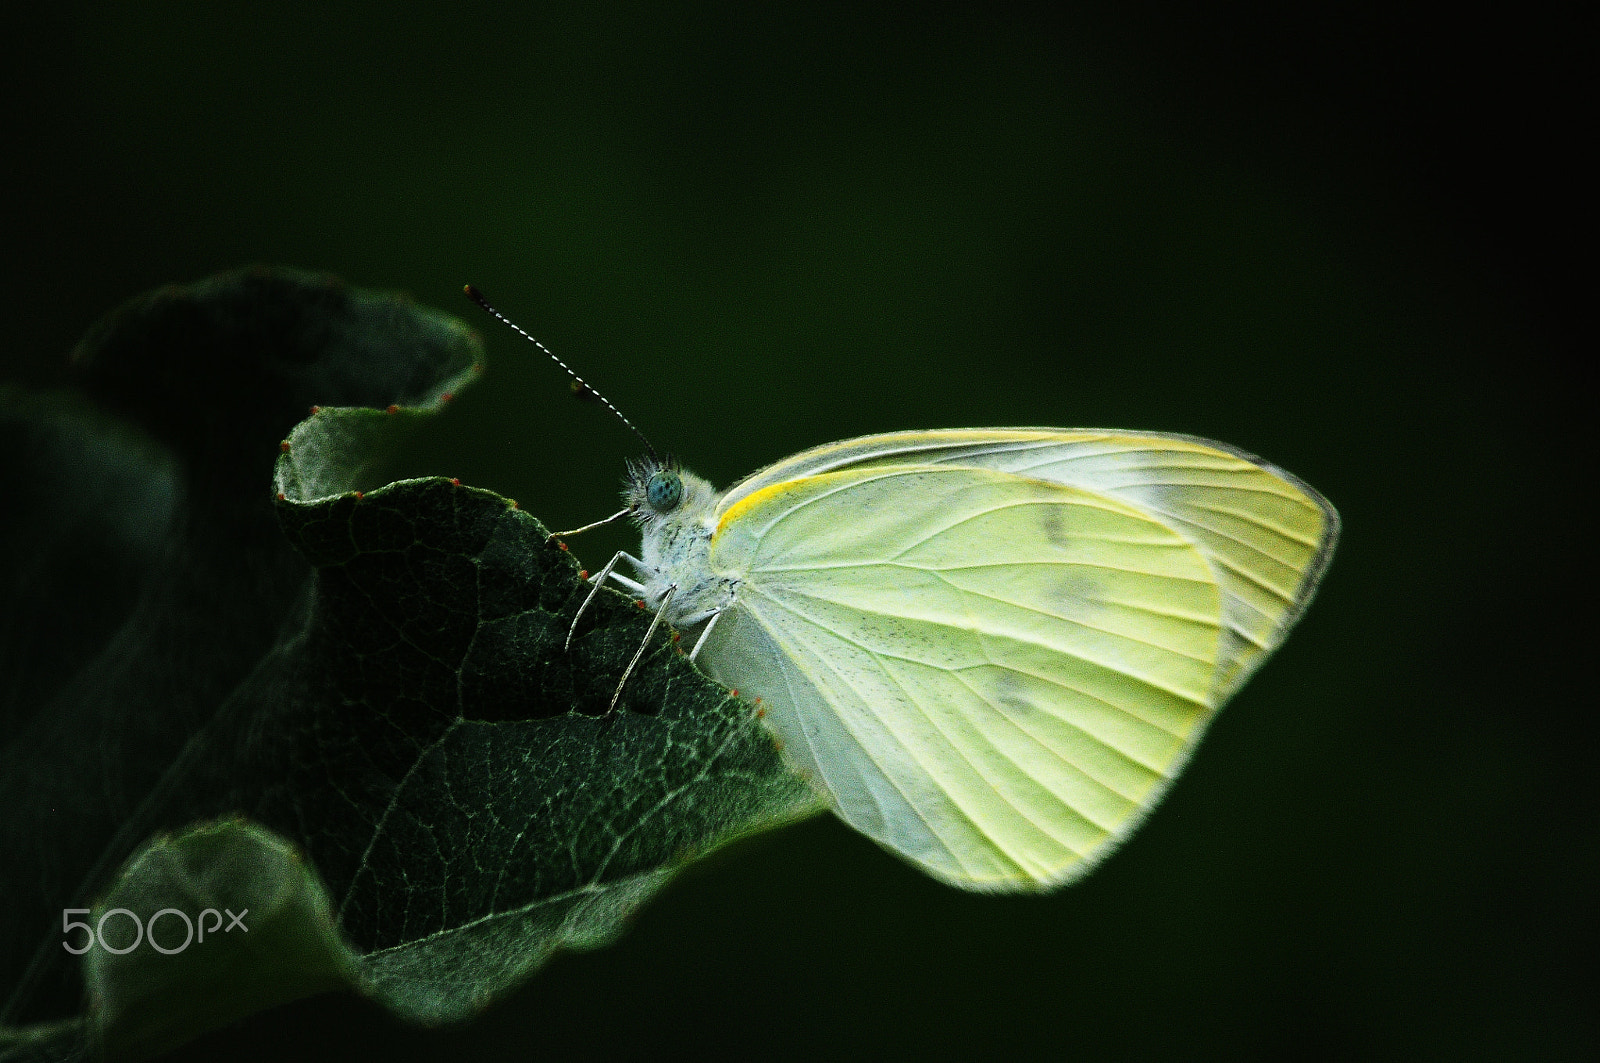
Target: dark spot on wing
1054 522
1011 697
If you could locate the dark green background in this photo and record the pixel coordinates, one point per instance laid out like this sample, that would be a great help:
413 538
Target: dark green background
1335 240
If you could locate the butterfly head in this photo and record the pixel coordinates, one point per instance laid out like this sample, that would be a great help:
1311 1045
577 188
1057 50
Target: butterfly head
659 489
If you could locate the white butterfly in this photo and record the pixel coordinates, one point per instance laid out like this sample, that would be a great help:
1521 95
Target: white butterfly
990 650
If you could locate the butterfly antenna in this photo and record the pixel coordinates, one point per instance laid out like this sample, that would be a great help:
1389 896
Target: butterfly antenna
477 297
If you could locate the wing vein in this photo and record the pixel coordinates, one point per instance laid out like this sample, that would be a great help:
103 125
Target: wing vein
792 610
1028 642
978 772
795 651
1016 725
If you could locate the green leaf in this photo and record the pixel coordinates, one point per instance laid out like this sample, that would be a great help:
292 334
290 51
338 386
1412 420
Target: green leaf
237 922
359 697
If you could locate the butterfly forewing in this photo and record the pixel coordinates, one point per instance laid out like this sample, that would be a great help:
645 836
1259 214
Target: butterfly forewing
993 675
1267 535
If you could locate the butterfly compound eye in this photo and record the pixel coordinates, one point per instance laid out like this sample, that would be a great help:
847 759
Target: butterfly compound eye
664 490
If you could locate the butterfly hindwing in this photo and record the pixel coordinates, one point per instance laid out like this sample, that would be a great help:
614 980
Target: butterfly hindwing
993 675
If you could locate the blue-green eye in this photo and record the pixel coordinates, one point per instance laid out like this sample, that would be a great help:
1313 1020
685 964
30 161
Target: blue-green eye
664 490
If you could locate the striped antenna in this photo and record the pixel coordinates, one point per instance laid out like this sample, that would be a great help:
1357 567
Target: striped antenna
583 388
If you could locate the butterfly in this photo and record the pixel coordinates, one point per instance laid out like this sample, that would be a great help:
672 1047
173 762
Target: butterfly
989 650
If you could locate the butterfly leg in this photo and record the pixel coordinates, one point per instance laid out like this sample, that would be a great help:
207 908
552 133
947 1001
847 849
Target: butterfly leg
599 581
655 622
701 641
599 523
631 586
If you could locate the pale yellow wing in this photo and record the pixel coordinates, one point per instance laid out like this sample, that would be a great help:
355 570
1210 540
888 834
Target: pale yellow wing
993 675
1267 535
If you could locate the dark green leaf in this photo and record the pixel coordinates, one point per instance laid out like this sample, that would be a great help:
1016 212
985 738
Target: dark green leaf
374 683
